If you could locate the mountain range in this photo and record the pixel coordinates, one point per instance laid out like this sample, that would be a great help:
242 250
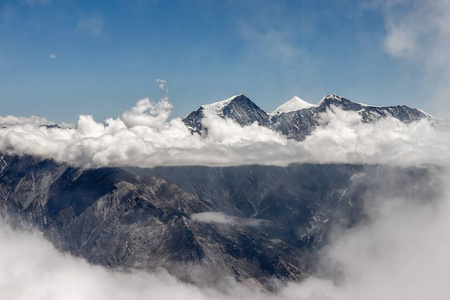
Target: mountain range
296 119
252 222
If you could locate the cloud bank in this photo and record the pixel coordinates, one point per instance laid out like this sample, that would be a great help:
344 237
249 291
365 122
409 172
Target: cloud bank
401 253
144 136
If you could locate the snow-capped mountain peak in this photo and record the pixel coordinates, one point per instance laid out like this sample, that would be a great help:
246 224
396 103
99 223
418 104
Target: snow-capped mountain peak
217 107
292 105
296 119
238 108
332 97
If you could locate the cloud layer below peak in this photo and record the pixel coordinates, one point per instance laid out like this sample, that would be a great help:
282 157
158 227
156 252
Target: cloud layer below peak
144 136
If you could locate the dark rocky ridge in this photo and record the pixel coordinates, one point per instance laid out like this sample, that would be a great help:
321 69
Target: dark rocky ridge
241 109
117 219
301 123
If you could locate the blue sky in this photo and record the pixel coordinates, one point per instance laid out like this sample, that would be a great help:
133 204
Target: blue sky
109 54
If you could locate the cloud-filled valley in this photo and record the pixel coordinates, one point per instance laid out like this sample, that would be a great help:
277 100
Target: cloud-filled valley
400 252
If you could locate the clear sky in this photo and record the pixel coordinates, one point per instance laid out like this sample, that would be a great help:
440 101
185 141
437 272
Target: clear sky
62 58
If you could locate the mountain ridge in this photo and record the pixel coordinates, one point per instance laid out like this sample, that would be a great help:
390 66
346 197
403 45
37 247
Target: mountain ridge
298 124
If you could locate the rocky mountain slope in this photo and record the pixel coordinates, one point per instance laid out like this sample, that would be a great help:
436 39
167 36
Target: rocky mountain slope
249 222
239 108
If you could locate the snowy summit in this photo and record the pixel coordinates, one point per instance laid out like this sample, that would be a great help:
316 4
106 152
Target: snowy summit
292 105
218 106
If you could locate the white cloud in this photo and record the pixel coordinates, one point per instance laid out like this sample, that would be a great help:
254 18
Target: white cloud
272 43
400 41
417 28
12 120
402 253
162 84
144 136
221 218
213 217
346 139
419 31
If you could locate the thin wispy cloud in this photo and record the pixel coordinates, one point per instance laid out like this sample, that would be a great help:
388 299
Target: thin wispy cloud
419 32
271 43
8 11
90 25
221 218
37 2
265 32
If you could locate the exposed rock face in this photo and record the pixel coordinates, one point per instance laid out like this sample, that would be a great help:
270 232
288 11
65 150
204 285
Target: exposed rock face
239 108
373 113
281 215
298 124
115 219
